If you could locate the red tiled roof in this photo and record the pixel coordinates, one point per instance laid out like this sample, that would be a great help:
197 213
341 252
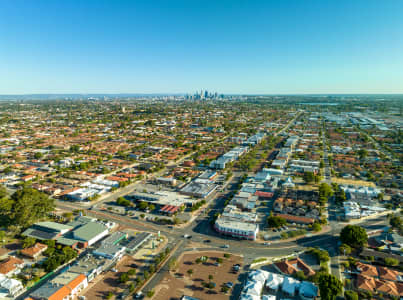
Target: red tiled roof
367 270
263 194
387 274
32 251
60 294
290 267
76 281
9 264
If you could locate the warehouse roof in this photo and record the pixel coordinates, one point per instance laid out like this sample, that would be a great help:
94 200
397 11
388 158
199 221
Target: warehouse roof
89 231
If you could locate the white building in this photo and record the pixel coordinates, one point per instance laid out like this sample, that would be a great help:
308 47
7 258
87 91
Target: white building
9 286
236 228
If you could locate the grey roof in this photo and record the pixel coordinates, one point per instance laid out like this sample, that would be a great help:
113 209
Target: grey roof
87 264
45 291
138 240
89 231
53 226
115 237
107 250
39 234
66 241
81 221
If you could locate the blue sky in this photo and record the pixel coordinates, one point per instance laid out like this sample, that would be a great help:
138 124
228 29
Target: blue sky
272 47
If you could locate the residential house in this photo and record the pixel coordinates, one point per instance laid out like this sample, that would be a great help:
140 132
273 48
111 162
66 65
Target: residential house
290 267
11 265
34 251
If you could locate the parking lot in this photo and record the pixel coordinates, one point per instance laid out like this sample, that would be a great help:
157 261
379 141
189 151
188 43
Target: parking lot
191 277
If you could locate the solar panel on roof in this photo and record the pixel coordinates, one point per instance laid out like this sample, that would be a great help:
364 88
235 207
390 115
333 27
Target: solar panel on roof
43 234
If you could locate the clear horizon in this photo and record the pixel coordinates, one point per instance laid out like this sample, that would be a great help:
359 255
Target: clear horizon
177 47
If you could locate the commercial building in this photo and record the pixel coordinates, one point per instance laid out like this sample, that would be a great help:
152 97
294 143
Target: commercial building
47 230
236 229
115 238
137 241
110 251
222 161
89 265
90 233
66 285
161 198
199 189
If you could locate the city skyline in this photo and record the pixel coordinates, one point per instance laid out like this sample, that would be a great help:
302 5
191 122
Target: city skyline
258 47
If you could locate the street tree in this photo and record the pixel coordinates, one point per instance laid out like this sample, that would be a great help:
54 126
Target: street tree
354 236
330 286
345 249
275 221
350 295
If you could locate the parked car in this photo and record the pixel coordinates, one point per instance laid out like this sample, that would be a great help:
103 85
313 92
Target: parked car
207 241
229 284
225 246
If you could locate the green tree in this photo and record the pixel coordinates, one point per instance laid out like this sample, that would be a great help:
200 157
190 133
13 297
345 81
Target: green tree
6 205
38 155
300 275
28 242
2 236
396 222
316 227
124 277
325 190
362 153
28 206
354 236
172 264
350 295
330 286
131 272
345 249
143 205
308 177
390 261
150 293
275 221
190 272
